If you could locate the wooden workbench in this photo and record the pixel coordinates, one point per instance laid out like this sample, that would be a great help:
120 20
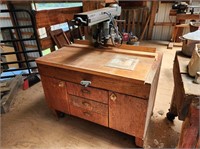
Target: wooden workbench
185 91
185 103
179 26
118 98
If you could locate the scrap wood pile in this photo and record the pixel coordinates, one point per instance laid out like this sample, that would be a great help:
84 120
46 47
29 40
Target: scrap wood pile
8 90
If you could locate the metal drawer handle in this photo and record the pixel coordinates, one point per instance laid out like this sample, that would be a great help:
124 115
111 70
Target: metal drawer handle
85 91
86 104
87 114
85 83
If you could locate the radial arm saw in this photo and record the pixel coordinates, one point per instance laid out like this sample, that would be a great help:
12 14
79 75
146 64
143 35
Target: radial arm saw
103 24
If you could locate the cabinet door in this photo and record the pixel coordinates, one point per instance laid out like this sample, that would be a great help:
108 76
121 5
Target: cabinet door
127 114
55 93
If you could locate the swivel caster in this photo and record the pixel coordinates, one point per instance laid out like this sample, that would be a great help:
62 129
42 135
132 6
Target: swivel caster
60 114
170 116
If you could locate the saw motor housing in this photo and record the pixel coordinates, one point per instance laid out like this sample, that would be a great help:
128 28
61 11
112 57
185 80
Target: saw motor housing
103 24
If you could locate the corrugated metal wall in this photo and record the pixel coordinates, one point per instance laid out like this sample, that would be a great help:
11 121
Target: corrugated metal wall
4 19
164 32
159 32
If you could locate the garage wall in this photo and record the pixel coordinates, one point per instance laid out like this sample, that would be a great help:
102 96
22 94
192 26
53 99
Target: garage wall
4 19
163 26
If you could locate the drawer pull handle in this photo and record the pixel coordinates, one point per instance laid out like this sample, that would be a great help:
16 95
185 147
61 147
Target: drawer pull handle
113 97
85 91
85 83
86 104
86 113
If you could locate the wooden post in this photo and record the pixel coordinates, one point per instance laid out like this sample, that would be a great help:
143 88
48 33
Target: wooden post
154 8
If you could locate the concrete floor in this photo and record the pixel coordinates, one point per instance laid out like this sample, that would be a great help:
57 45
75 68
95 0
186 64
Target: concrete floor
30 124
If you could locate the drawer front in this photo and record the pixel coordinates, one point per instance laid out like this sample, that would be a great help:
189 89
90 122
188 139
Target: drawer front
87 92
89 115
130 87
89 105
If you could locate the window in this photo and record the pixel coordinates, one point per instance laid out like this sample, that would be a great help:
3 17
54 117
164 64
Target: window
47 6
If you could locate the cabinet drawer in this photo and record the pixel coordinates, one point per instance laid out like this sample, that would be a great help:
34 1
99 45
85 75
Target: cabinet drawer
89 115
87 92
89 105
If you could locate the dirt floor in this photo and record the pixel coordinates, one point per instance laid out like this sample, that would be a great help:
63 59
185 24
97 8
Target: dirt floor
30 124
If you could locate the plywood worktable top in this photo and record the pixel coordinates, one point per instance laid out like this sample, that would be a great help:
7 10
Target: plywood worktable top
92 60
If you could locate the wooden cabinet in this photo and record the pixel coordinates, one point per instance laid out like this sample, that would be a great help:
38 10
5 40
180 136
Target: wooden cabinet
120 99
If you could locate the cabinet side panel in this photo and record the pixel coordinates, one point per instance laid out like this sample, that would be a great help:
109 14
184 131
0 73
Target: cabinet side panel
153 91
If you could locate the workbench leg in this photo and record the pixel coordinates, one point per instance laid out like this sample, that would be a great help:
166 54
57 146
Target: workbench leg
189 137
58 114
173 109
139 142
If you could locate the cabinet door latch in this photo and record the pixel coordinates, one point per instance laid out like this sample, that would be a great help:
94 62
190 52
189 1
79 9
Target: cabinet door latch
85 83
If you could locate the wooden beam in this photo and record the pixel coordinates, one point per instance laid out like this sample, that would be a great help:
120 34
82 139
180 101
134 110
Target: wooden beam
25 33
145 28
7 99
123 46
154 7
187 17
164 23
46 18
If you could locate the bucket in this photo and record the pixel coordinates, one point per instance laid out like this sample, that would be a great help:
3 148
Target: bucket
194 26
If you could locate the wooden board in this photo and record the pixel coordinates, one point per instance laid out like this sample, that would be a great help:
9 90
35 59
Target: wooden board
7 99
123 46
154 7
90 60
11 57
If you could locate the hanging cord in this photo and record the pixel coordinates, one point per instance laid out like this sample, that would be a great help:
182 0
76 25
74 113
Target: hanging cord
112 23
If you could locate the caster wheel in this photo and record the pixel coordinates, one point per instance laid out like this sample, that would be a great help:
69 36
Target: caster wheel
170 116
61 114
